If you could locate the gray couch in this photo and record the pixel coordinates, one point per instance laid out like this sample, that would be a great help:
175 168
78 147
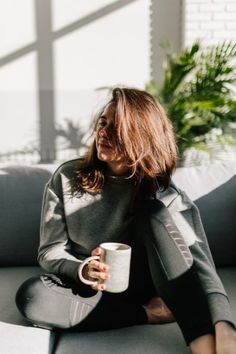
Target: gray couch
214 190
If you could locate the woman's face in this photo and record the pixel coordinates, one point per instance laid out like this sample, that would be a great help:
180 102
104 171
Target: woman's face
105 142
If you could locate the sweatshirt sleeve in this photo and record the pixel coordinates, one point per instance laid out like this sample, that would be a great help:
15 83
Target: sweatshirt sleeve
216 295
54 250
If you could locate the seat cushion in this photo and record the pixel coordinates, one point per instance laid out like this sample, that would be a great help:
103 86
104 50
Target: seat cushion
141 339
146 339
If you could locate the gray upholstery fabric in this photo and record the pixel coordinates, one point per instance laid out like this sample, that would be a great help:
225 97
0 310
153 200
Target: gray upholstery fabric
21 191
213 188
148 339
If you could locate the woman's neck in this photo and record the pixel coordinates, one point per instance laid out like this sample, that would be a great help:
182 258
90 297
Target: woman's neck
117 169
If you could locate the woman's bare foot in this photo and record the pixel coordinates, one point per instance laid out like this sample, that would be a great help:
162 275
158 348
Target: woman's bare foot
158 312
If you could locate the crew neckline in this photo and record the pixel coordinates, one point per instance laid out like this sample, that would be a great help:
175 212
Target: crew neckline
120 179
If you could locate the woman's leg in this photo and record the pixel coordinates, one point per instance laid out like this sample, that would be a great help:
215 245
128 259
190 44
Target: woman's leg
49 302
114 311
173 270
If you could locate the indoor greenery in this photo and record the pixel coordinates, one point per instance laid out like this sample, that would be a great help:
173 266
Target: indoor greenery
198 92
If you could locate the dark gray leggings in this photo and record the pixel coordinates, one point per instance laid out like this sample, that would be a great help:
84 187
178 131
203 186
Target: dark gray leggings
158 267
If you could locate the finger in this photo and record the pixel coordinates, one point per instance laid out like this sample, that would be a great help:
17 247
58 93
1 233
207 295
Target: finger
98 275
96 252
98 265
98 287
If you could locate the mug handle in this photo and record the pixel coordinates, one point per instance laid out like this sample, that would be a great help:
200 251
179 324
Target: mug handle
81 267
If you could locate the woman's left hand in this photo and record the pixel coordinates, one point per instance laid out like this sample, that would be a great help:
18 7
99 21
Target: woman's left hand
225 338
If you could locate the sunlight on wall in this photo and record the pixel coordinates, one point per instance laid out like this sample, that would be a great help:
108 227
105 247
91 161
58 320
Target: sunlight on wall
16 24
20 74
67 11
109 51
109 47
18 104
18 79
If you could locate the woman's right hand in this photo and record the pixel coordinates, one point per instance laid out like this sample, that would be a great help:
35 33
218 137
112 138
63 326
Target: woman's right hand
96 270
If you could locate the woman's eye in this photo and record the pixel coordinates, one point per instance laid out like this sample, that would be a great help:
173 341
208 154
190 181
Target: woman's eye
102 124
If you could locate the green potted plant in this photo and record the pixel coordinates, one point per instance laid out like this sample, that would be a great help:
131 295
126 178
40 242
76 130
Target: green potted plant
198 92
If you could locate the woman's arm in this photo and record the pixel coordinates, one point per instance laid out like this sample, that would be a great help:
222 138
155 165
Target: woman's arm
54 250
217 297
225 334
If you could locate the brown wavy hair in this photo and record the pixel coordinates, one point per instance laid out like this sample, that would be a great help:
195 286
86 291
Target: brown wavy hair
144 134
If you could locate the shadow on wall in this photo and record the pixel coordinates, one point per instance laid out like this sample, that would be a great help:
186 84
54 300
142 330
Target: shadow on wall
218 213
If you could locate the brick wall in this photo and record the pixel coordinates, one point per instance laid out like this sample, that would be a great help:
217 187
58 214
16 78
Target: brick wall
210 21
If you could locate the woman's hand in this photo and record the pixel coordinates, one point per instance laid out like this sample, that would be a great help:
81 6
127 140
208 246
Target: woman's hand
225 338
96 270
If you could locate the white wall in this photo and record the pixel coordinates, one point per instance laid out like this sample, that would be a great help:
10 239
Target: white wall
210 21
95 43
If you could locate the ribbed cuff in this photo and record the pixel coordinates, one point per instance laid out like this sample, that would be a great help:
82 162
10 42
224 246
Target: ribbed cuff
69 269
220 308
197 331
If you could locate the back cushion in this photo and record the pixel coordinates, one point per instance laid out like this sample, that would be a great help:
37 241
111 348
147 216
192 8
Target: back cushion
213 189
21 192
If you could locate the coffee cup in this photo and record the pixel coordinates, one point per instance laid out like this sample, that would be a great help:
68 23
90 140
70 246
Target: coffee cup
117 256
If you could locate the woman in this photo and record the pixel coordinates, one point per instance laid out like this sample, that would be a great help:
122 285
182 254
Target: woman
121 191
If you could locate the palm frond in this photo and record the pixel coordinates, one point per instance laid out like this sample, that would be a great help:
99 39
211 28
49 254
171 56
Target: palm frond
199 91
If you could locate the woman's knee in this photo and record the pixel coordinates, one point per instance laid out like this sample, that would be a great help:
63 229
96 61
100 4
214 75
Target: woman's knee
26 297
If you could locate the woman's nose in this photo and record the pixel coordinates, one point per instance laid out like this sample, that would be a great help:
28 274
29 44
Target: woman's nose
103 132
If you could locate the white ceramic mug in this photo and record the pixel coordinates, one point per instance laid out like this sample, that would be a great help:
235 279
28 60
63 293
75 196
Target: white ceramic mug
117 256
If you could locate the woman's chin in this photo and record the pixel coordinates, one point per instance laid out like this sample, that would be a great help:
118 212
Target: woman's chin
104 157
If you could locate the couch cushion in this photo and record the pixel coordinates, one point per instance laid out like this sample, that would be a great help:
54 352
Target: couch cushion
213 188
146 339
21 190
142 339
